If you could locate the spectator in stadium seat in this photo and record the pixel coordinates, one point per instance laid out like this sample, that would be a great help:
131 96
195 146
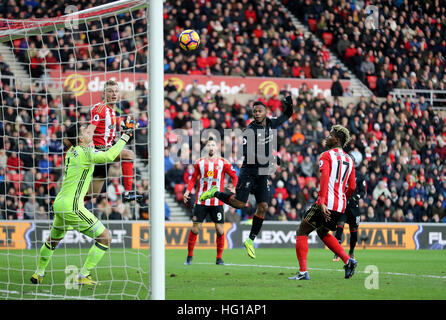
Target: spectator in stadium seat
31 207
114 190
398 216
371 217
41 214
307 167
174 175
45 165
232 215
3 159
55 144
336 87
381 189
271 214
367 68
14 163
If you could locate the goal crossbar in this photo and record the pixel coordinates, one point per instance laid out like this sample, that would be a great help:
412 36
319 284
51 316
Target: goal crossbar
11 29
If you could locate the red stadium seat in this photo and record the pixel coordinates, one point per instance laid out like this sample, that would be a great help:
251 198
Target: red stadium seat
308 180
301 182
371 80
312 23
328 38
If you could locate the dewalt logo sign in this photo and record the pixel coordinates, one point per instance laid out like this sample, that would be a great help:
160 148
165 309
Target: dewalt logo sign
15 235
176 235
383 236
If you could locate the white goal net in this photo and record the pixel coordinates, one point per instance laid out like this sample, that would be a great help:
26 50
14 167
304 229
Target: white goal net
53 71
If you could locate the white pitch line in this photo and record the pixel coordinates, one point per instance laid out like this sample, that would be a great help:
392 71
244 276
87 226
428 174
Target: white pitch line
328 269
46 295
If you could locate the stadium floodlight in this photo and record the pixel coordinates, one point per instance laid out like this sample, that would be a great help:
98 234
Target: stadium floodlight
64 62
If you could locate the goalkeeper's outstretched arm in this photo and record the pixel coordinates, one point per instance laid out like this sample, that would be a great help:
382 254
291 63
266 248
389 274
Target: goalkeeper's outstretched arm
111 154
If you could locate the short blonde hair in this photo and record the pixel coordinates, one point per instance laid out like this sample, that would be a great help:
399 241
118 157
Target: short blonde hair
342 134
109 83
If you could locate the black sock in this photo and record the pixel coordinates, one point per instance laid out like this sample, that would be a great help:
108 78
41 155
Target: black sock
256 226
339 232
353 241
223 196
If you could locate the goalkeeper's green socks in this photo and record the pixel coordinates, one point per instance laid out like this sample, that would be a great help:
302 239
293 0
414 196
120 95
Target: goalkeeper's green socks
45 254
95 255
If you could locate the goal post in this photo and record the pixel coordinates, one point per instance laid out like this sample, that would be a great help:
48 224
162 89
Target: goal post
156 150
123 41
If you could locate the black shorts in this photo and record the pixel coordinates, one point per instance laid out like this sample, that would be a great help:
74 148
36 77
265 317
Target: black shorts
315 218
351 216
249 181
215 212
100 170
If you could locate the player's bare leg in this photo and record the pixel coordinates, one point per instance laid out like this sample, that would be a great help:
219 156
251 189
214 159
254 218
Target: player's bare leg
127 157
220 240
192 238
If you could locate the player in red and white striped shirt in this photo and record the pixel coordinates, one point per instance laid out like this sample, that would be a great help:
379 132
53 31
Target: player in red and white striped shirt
209 171
104 125
337 184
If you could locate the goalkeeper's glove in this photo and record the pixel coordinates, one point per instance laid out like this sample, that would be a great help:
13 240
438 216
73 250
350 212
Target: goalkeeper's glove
128 128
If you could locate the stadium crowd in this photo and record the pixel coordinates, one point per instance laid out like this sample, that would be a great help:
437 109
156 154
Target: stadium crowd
243 38
401 146
390 44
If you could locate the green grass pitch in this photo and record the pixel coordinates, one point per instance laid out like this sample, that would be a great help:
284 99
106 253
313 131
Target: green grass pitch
381 275
401 275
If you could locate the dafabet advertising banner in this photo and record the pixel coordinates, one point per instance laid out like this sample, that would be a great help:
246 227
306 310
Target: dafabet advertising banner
87 86
135 234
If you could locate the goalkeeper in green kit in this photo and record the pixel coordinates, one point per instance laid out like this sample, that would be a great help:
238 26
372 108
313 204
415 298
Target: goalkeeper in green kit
69 210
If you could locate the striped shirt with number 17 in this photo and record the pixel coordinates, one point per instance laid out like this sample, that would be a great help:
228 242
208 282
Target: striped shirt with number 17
337 179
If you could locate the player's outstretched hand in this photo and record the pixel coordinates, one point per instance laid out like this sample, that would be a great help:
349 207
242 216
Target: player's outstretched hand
128 128
287 102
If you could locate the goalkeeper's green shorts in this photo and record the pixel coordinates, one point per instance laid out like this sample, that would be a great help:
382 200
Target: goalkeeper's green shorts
81 220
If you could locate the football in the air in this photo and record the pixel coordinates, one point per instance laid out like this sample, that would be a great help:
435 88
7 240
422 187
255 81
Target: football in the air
189 40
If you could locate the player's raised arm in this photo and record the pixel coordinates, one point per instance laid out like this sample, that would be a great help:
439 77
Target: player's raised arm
287 113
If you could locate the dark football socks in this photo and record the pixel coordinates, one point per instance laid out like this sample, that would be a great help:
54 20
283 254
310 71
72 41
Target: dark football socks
256 226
